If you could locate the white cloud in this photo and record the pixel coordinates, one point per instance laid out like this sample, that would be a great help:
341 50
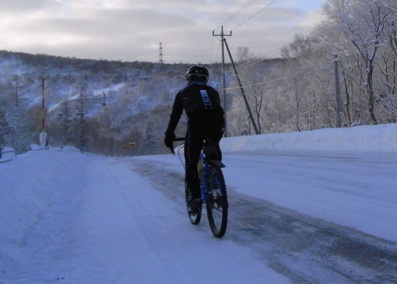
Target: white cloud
131 30
313 18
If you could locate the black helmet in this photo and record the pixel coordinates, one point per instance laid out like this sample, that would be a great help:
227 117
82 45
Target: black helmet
197 73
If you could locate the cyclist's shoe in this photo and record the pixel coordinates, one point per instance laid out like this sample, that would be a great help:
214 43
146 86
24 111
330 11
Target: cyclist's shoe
195 206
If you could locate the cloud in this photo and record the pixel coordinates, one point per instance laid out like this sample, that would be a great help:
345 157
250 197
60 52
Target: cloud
132 30
313 18
21 6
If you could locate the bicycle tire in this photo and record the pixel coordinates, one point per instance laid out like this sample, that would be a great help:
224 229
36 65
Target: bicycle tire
194 218
217 203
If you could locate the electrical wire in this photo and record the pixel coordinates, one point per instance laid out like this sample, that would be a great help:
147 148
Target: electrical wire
212 48
266 82
242 9
247 64
258 60
254 15
238 12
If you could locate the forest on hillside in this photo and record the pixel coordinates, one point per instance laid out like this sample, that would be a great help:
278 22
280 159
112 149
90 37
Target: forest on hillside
355 47
341 75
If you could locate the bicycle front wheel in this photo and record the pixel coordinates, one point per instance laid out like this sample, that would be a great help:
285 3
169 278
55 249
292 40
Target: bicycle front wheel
217 203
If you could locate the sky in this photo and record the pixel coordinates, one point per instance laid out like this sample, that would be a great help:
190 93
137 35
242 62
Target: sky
97 219
131 30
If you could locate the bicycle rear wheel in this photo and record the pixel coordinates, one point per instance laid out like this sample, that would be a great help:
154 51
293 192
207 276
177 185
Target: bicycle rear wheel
217 203
194 217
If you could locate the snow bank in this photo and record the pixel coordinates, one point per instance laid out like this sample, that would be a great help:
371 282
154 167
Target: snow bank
29 185
373 138
7 154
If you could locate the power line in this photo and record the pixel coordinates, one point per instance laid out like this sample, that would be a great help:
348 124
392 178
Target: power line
279 79
254 15
247 64
238 12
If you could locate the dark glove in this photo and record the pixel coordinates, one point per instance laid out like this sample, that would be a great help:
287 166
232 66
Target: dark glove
169 139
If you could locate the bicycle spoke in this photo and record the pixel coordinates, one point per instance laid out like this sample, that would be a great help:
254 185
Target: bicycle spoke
217 205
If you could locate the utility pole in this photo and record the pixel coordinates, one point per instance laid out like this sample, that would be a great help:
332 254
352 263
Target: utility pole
337 92
43 137
242 91
81 113
222 35
83 128
16 90
42 104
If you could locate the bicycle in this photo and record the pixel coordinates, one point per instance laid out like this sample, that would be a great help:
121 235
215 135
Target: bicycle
213 191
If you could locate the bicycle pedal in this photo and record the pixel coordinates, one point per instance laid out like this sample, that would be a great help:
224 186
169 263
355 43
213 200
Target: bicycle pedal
195 206
218 164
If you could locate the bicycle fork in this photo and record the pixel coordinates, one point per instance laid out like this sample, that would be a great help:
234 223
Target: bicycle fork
203 175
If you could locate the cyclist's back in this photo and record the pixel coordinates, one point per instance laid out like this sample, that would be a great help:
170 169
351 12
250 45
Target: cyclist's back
205 121
199 98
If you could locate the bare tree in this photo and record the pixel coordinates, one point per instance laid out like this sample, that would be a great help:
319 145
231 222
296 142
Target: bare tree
297 53
244 54
363 23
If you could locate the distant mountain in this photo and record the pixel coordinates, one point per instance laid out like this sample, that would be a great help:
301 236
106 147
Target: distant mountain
139 96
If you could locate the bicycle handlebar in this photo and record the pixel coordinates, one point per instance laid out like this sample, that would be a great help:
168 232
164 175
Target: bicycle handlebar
176 139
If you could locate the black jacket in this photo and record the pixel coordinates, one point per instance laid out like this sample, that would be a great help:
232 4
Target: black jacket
196 99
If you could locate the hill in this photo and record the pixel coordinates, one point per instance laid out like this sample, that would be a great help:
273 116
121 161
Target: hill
139 95
138 98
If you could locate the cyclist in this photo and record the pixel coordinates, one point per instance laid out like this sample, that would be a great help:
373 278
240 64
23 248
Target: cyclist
202 106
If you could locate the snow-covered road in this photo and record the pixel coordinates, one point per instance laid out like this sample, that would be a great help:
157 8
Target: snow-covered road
314 217
356 190
295 216
108 224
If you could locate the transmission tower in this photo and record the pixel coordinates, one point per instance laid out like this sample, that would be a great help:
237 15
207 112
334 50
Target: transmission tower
161 53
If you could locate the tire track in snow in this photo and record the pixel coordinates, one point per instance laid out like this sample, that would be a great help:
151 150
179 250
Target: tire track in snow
302 248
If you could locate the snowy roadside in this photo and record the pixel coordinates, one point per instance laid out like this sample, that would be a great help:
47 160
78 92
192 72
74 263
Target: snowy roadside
85 218
92 219
366 138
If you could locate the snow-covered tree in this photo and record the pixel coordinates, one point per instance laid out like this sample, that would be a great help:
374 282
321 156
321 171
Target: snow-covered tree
363 23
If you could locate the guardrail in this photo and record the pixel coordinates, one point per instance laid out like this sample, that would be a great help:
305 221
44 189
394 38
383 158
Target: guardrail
7 155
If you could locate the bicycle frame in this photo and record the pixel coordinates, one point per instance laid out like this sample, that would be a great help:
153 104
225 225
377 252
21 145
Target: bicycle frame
204 177
213 191
206 167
